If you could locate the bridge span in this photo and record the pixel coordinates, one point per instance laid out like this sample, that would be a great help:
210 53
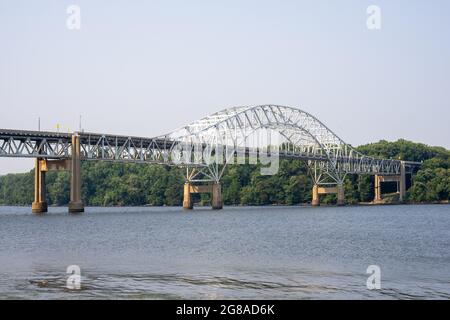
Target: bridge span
205 147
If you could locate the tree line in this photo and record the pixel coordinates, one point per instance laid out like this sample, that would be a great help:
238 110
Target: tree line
115 184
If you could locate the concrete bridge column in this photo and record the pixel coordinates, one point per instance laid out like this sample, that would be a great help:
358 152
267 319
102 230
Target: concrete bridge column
39 205
215 190
315 196
402 181
75 204
318 190
377 189
216 196
340 195
187 201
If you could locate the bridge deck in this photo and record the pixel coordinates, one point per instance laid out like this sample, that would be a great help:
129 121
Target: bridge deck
33 135
122 148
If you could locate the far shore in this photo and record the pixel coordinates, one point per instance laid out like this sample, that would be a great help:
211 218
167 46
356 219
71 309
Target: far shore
360 204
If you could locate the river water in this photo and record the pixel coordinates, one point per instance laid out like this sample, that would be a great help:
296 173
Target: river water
235 253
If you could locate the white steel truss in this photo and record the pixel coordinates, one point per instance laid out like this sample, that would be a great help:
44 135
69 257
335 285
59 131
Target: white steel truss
225 133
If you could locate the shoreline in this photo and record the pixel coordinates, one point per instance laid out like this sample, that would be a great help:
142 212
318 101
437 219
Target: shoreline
360 204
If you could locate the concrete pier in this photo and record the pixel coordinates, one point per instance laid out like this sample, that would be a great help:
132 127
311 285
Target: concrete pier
315 196
399 179
377 185
75 204
402 183
216 196
214 189
39 204
73 165
187 201
340 195
338 190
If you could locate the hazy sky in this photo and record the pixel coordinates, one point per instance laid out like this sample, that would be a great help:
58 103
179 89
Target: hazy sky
147 67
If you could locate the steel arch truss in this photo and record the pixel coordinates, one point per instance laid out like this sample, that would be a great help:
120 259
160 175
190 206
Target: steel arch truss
301 136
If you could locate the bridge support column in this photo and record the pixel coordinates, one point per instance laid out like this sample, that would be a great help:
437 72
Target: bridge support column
340 195
315 196
400 180
39 205
187 201
318 190
214 189
216 196
377 198
75 204
402 183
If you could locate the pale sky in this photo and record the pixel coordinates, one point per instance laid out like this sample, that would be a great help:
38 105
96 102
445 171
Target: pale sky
147 67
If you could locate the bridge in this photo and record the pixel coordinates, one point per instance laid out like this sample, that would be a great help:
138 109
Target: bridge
251 134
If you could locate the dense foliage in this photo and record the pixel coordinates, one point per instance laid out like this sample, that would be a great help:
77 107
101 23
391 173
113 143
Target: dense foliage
106 184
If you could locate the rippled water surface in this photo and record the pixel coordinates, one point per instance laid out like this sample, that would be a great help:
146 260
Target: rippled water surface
248 252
